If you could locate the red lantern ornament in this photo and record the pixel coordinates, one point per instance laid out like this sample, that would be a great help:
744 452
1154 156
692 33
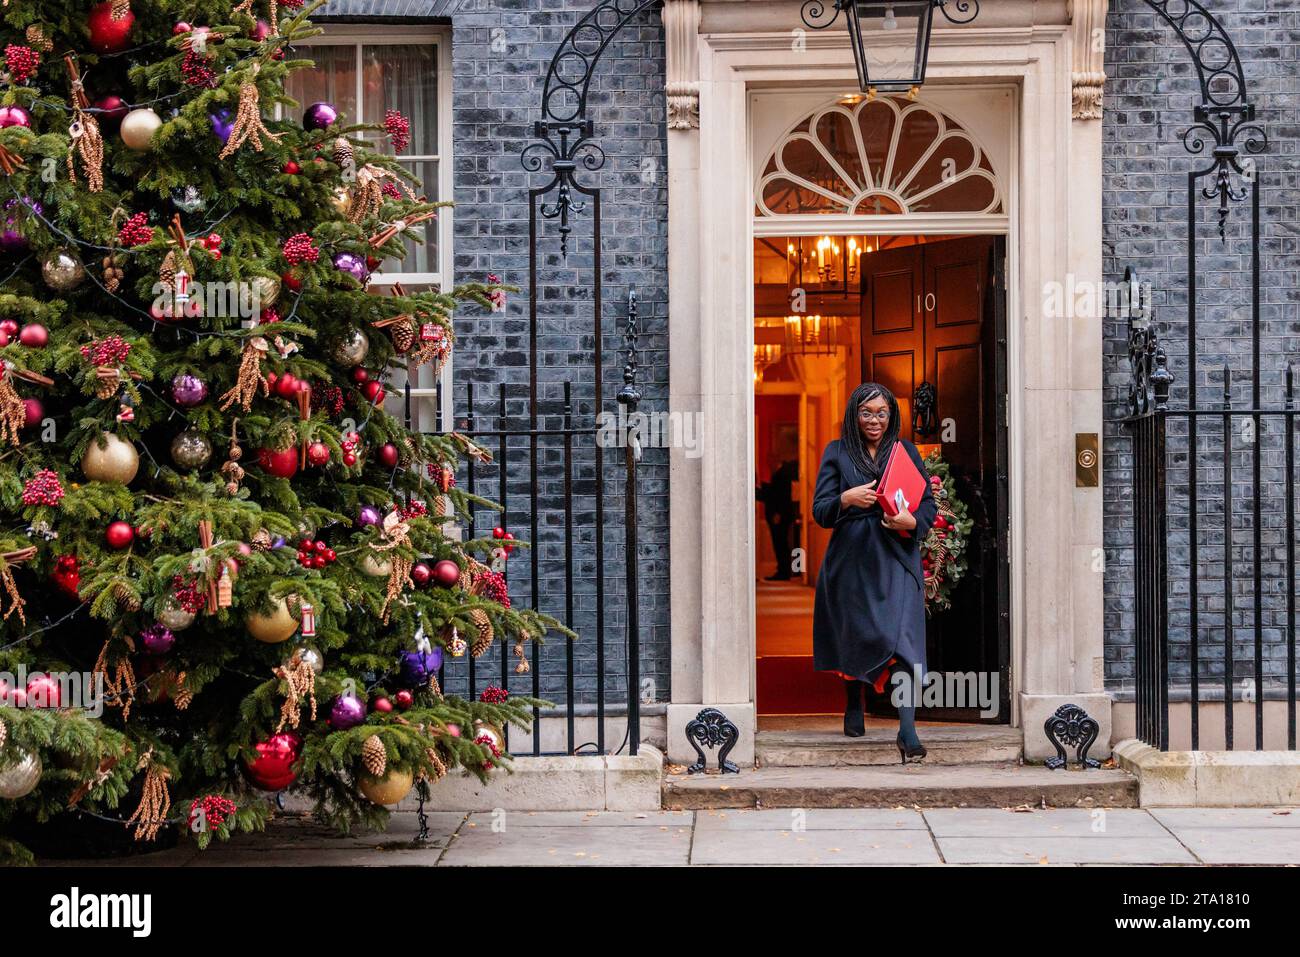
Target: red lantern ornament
119 535
446 573
273 769
282 464
107 33
388 455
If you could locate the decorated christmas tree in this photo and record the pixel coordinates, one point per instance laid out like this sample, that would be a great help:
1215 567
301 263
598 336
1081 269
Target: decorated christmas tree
225 569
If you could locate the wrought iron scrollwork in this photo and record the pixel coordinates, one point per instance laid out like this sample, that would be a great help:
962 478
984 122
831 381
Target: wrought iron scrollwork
820 14
1225 118
1073 727
712 729
1149 375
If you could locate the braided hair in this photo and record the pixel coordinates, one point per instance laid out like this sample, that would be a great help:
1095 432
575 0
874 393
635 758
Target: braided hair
851 436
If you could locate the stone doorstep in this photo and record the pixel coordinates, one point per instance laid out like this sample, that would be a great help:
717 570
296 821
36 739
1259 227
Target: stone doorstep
970 785
970 744
1211 778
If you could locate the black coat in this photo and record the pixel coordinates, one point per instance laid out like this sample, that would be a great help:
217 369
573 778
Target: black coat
870 604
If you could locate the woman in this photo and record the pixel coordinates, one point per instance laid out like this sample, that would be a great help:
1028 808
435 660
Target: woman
870 608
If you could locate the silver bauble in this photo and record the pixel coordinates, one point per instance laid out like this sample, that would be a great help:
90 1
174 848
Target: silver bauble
19 777
62 270
376 566
138 128
352 349
173 616
191 449
188 199
116 461
265 290
312 658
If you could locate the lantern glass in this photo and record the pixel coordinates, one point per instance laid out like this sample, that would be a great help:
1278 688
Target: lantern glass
891 42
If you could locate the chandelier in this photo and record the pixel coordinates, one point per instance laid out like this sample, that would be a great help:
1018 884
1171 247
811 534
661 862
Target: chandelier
813 335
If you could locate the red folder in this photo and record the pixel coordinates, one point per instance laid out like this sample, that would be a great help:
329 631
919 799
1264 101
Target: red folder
901 485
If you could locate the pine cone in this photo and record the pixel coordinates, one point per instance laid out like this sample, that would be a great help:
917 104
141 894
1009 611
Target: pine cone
483 632
4 733
343 153
125 598
403 335
374 757
439 766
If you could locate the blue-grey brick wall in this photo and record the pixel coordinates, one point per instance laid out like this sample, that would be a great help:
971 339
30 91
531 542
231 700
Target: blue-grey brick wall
501 50
1150 91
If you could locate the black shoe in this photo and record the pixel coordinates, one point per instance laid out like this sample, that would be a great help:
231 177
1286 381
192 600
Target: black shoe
778 578
910 754
855 725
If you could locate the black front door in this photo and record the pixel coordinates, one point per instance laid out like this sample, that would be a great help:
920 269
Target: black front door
933 320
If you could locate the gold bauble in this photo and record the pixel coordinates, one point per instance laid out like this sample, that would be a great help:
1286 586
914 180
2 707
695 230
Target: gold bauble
265 290
374 566
492 731
173 616
274 628
342 200
115 461
20 775
352 349
138 128
62 270
389 789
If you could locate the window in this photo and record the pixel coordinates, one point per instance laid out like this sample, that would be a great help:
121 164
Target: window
363 72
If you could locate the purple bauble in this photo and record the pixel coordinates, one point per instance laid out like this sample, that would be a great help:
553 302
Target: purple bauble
348 711
222 123
319 116
353 265
189 390
14 116
11 240
157 639
418 666
369 515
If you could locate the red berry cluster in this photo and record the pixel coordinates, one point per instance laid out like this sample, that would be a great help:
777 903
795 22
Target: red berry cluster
269 314
43 488
351 442
136 231
315 554
109 351
188 595
494 587
390 190
196 70
212 243
493 695
22 61
416 509
327 397
399 128
298 248
212 810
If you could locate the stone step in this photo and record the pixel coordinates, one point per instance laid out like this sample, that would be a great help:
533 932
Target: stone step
946 744
921 785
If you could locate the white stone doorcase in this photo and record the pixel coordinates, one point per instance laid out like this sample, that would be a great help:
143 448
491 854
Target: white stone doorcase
731 66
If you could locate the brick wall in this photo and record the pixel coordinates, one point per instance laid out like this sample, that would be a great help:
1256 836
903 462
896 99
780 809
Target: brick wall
1150 91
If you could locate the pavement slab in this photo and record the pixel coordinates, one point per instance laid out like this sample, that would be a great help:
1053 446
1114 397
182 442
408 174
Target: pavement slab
511 844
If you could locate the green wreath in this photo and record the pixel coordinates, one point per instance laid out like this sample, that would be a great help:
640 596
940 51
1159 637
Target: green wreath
943 553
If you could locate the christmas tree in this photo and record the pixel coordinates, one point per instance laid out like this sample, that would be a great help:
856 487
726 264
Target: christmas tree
225 569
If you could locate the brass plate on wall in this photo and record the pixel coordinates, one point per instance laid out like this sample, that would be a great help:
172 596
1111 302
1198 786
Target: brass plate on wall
1087 460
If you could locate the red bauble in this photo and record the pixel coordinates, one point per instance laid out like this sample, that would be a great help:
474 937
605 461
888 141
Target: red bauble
9 327
34 336
106 34
373 391
43 692
181 27
446 573
388 455
404 699
119 535
286 387
498 532
273 769
358 374
420 574
111 109
282 464
290 281
318 453
34 412
383 705
67 575
291 168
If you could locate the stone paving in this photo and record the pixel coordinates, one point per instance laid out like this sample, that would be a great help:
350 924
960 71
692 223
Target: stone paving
867 836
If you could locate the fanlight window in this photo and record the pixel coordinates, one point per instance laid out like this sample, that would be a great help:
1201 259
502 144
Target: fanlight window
883 156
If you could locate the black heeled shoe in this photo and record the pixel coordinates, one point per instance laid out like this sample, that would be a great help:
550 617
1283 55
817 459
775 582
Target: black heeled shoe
855 725
909 754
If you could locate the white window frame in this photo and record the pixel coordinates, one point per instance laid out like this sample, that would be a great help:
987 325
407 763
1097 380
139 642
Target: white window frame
379 34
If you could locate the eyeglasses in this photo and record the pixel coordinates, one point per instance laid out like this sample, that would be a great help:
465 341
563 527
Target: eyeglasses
882 416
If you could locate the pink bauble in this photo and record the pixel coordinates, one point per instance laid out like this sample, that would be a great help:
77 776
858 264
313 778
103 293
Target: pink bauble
34 336
14 116
42 692
446 573
388 455
34 412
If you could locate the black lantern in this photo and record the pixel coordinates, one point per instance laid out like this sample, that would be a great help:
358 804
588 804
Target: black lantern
891 38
